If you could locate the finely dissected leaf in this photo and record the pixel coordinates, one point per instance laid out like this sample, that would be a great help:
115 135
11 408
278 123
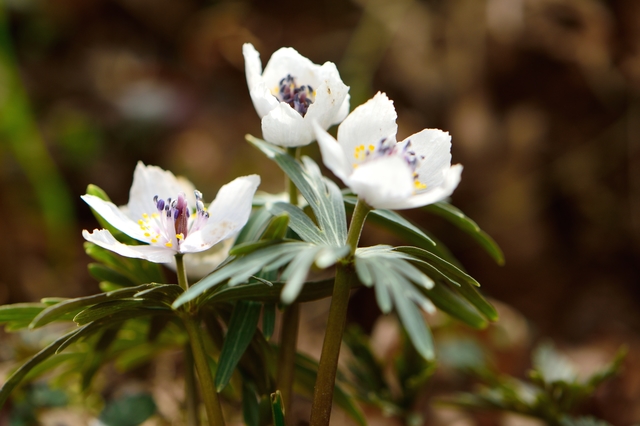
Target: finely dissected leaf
113 307
314 290
323 196
466 285
59 311
399 284
164 293
456 217
19 315
242 326
277 409
299 222
414 323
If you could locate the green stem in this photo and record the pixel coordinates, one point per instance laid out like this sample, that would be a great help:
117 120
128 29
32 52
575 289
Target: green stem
328 367
191 391
192 324
290 323
207 385
287 353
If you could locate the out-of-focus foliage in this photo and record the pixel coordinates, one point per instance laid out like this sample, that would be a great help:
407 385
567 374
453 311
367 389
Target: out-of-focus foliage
553 393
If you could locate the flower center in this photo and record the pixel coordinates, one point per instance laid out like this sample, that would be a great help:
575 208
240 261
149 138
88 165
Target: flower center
298 97
171 224
387 147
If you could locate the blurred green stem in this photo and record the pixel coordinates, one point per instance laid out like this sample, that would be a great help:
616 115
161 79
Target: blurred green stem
19 131
328 367
191 391
192 324
290 323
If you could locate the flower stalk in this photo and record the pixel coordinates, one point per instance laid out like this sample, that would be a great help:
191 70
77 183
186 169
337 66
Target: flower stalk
198 354
290 323
328 367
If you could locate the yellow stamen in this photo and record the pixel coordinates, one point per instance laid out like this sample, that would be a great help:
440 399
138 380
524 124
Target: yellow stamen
169 244
180 236
146 234
141 223
153 240
372 148
419 185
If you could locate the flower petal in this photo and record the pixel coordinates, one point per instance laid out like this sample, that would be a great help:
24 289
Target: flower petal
328 106
284 126
433 146
287 61
368 124
104 239
228 213
332 154
382 182
115 216
149 181
450 181
261 96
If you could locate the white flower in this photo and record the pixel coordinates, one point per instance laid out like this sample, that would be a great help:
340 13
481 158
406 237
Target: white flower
159 213
382 172
291 93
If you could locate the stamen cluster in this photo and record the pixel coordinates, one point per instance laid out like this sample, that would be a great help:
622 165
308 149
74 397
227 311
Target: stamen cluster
170 225
298 97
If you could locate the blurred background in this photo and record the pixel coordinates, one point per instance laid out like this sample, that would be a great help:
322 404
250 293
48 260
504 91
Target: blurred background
541 98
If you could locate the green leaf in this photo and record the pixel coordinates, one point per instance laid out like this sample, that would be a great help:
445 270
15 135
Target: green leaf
466 285
448 301
95 359
242 326
399 284
277 409
457 218
268 319
19 315
104 273
250 405
240 269
113 307
299 222
256 223
395 222
73 306
130 410
413 321
14 379
552 365
323 196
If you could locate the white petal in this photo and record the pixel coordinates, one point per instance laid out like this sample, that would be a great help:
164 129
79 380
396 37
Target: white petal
284 126
252 65
228 213
104 239
115 216
368 124
332 154
450 181
382 182
435 146
149 181
330 97
287 61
